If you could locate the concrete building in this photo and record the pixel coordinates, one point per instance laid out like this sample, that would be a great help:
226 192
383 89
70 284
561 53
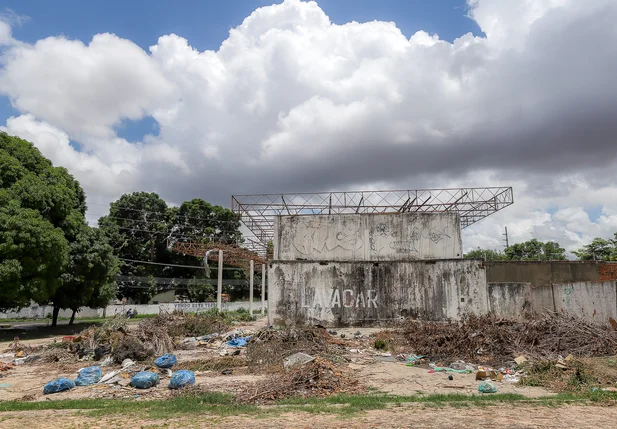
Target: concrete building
355 269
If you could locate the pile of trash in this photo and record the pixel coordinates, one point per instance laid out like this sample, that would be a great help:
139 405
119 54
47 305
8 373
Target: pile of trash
270 347
130 374
314 378
487 339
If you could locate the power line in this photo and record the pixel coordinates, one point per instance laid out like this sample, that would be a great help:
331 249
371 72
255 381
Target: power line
175 265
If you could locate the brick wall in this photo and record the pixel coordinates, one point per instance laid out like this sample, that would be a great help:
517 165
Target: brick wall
607 271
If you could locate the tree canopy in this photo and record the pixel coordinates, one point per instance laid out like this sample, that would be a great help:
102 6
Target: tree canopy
599 250
43 233
141 227
531 250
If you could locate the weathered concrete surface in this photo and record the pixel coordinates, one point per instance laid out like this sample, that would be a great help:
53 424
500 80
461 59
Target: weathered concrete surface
592 301
368 237
355 293
541 272
509 300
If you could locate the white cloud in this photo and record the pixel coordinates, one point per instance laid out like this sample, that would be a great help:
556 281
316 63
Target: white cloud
292 102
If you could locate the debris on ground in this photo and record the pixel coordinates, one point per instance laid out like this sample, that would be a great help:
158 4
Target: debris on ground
487 387
181 379
145 380
486 339
297 359
318 378
166 361
59 385
88 376
269 347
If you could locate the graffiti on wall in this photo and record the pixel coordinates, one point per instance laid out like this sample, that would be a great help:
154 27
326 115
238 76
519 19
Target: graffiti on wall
317 238
336 298
313 237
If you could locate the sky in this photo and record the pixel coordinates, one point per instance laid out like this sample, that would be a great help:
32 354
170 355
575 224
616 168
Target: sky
208 99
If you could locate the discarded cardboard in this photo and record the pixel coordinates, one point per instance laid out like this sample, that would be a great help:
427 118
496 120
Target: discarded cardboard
520 360
297 359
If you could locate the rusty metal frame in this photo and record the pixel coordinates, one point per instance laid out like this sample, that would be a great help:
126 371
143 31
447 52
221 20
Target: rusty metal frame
258 211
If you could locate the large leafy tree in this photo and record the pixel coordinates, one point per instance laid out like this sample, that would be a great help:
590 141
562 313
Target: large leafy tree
41 208
532 250
141 227
137 227
42 230
599 250
90 278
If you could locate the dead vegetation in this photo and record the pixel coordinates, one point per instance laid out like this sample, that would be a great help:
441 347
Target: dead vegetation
213 364
315 379
268 349
485 339
580 376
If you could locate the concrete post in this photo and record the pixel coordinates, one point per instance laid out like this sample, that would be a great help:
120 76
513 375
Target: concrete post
263 289
251 283
219 291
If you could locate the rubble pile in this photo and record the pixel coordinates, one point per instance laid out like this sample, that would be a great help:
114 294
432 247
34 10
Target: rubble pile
487 339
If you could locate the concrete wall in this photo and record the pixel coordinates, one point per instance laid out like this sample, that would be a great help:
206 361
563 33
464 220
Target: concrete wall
591 301
355 293
595 301
541 272
368 237
41 312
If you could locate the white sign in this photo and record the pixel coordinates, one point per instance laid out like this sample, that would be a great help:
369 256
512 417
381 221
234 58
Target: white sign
193 305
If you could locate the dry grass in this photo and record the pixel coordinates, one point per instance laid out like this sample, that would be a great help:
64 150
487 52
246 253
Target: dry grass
581 376
213 364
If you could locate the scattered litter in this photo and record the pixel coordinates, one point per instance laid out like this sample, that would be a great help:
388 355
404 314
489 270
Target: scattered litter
182 378
238 342
511 378
6 366
411 360
128 363
189 343
88 376
462 365
484 373
354 351
297 359
435 368
223 353
108 361
332 332
108 378
59 385
145 380
5 385
166 361
450 377
487 387
227 371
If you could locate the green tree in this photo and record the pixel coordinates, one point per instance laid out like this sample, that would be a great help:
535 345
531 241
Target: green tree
486 254
42 208
90 278
599 250
199 290
534 250
137 227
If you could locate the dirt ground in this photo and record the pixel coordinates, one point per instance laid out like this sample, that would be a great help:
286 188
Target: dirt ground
407 416
26 381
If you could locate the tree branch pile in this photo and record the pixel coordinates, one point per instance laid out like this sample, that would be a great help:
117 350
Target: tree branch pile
486 339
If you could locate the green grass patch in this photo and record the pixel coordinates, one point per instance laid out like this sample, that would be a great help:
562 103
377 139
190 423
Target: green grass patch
344 405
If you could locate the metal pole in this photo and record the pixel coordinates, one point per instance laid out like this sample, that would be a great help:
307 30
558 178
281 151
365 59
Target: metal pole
251 283
263 289
219 291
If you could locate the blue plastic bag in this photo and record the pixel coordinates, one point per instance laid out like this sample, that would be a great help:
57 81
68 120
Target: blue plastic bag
166 361
88 376
181 378
59 385
238 342
145 380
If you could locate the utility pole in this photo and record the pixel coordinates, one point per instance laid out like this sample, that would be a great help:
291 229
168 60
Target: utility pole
506 237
